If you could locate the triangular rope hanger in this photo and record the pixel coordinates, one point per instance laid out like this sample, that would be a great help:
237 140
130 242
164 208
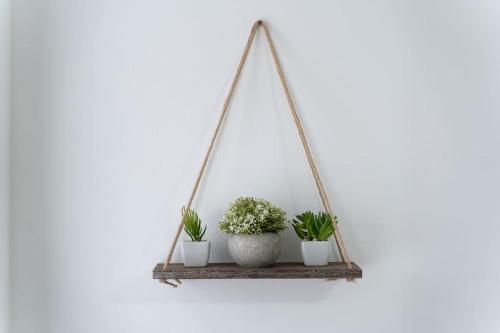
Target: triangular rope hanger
310 159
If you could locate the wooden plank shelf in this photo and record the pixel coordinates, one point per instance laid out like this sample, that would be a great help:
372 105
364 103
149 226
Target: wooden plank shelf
284 270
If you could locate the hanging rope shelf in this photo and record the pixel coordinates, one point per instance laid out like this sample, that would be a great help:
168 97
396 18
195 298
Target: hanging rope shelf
168 272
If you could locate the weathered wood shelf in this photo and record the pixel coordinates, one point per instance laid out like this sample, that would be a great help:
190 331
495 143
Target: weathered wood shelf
288 270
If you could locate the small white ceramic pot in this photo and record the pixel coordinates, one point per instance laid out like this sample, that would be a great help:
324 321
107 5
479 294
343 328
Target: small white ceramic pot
195 254
316 253
259 250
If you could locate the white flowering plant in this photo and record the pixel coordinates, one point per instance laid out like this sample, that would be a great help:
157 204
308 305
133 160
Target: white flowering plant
249 215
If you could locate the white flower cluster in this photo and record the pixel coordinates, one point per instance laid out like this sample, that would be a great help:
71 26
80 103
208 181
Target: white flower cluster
249 215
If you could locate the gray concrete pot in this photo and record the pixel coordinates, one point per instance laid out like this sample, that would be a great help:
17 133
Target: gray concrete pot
259 250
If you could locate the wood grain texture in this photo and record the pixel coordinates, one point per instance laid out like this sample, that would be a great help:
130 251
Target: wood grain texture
289 270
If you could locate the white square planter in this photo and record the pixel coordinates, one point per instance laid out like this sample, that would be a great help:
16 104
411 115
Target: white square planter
195 254
316 253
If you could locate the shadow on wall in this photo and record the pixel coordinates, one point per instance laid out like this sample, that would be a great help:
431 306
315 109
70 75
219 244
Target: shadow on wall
225 291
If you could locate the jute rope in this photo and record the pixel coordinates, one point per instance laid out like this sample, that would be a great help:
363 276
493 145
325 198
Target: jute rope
310 159
212 143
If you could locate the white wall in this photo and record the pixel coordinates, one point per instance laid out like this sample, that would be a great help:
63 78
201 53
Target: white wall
4 161
113 106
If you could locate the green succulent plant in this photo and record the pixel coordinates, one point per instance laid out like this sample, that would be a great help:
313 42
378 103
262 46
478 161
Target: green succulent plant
192 226
310 226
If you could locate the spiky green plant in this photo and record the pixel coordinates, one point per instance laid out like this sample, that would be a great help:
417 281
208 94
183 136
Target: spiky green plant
310 226
192 226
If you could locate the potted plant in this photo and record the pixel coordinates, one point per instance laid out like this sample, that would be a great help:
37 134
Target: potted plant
253 225
314 230
195 252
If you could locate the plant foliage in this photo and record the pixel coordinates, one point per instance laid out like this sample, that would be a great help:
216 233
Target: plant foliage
192 226
249 215
310 226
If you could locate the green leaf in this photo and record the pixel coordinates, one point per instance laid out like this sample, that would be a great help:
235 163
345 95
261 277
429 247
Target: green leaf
192 225
190 234
299 232
324 229
310 230
202 234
